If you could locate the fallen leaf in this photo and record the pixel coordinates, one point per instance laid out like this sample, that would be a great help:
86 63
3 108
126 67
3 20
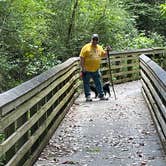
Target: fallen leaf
143 163
69 162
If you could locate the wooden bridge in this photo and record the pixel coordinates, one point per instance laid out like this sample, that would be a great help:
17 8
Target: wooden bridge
31 112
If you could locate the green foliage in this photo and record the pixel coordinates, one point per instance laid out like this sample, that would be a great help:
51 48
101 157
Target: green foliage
163 9
147 15
141 41
23 31
35 35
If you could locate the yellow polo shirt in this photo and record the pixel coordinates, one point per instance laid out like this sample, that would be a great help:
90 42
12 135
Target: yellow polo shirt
92 56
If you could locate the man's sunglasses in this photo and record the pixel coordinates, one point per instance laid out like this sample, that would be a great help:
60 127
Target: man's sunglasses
95 39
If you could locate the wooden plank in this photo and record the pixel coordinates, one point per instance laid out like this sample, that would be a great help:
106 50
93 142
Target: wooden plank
30 93
153 78
155 69
35 155
125 58
8 143
126 73
122 59
124 66
136 72
6 108
104 69
24 149
155 94
161 136
8 100
144 58
156 111
138 51
13 116
158 72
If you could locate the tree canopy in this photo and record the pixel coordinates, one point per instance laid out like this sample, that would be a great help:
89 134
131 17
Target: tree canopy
38 34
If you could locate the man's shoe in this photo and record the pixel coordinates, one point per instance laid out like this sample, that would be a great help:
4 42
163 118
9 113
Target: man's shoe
88 98
103 98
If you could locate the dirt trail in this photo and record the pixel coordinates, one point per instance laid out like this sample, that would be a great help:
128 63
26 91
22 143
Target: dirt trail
106 133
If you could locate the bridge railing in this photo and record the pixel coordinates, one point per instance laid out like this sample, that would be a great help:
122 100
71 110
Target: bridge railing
125 64
153 79
30 112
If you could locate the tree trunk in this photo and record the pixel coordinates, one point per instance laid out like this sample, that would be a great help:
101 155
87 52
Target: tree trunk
72 19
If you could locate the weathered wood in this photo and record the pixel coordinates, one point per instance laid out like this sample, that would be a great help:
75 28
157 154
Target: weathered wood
157 84
8 143
147 51
154 91
104 69
154 68
33 157
39 97
156 110
126 61
14 115
155 94
40 130
120 59
123 73
159 130
26 90
124 76
124 66
156 73
125 58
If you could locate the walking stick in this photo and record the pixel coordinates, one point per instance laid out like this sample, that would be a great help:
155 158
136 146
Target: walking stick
112 84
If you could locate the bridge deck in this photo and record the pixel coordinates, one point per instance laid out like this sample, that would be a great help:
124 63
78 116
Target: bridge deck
103 133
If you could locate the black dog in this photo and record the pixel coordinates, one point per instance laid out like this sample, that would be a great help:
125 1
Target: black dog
106 89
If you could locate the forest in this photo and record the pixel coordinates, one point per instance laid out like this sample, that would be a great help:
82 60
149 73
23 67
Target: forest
36 35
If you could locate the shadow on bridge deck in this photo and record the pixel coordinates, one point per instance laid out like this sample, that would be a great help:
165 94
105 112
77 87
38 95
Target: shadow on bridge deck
106 133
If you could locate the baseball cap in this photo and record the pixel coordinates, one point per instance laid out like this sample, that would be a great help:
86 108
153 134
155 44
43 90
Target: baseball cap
95 36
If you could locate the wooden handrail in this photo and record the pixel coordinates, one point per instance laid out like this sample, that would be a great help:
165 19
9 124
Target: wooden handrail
125 64
30 112
146 51
153 79
9 99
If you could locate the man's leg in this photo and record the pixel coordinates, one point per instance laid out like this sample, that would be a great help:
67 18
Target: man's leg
98 84
86 78
97 81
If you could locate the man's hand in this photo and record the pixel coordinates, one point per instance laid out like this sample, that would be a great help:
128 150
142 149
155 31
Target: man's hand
108 48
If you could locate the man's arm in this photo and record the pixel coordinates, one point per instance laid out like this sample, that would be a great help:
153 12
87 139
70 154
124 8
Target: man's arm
82 64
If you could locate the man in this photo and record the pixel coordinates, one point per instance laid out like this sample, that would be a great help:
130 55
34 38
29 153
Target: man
90 58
